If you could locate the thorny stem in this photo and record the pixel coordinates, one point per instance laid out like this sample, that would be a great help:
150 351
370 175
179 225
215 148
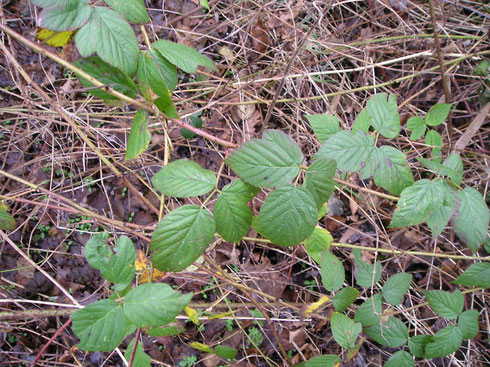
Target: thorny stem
133 352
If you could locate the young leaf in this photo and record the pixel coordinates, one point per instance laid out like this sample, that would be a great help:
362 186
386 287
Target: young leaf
317 242
287 216
344 330
225 352
6 220
384 113
111 37
107 74
391 333
168 70
418 202
471 218
319 180
367 274
477 275
350 151
67 17
400 359
233 216
139 136
183 178
369 313
392 172
468 324
133 10
417 127
344 298
181 237
268 162
445 304
324 126
434 139
439 219
395 288
362 123
184 57
101 326
437 114
117 268
141 359
332 270
417 343
444 342
329 360
456 164
154 304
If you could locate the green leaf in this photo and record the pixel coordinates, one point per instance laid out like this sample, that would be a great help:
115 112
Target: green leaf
417 344
324 126
287 216
417 127
141 359
365 271
362 123
329 360
395 288
332 270
52 3
183 178
344 298
437 114
101 326
132 10
391 333
319 240
68 17
477 275
344 330
168 70
242 190
434 139
468 324
149 73
6 220
319 180
471 218
400 359
111 37
369 313
139 136
111 77
445 304
437 167
444 342
350 151
268 162
184 57
117 268
392 172
154 304
438 220
225 352
384 113
181 237
455 163
195 121
166 105
418 202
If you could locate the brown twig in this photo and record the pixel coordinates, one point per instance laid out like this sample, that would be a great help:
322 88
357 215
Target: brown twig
55 335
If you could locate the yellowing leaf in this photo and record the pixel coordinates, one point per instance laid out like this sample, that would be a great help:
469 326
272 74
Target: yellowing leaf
141 261
145 276
52 38
219 315
192 313
201 346
312 307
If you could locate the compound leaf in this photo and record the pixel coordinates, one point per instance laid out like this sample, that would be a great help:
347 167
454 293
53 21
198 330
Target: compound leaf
111 37
468 324
345 330
477 275
437 114
400 359
287 216
369 313
268 162
344 298
444 342
101 326
367 274
139 136
66 17
132 10
6 220
141 359
471 218
417 127
319 180
319 240
391 333
445 304
184 57
181 237
384 113
395 288
324 126
351 152
154 304
184 178
392 172
332 270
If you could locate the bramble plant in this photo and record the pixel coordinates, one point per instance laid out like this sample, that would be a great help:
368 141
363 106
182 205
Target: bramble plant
296 194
